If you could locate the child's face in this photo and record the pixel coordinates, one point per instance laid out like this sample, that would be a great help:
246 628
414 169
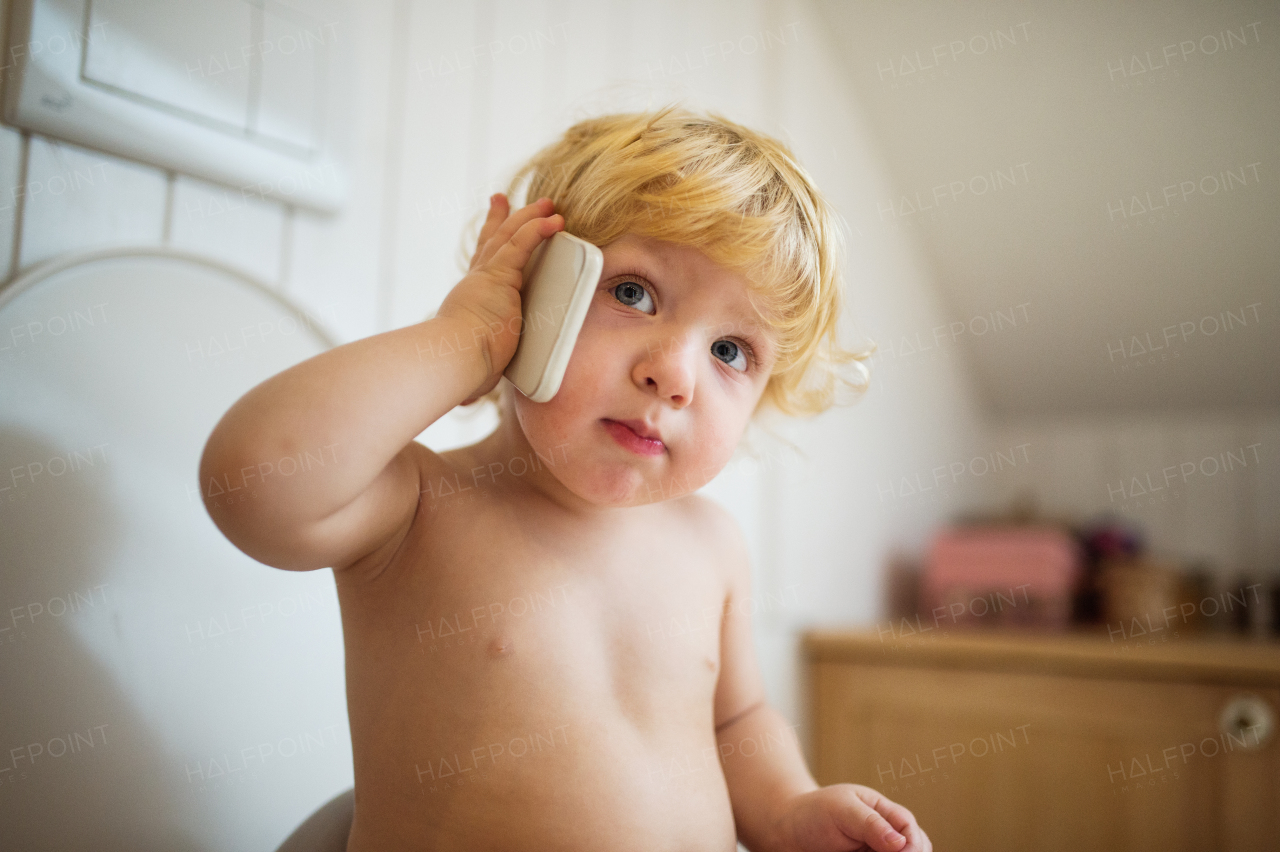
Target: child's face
671 341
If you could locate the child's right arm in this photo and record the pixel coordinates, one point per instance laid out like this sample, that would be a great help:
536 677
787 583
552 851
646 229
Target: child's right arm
348 417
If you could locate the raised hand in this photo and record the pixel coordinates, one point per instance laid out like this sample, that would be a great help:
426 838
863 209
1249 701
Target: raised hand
487 299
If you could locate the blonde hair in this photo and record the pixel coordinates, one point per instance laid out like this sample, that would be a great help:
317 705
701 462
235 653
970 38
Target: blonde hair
738 196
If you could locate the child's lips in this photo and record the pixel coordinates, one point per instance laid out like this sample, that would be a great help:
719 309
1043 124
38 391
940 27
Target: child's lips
627 437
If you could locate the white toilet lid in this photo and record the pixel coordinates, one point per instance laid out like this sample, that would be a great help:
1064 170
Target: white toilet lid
160 688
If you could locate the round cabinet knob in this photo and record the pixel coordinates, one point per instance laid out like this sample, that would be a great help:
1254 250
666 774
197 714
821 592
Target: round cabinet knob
1247 718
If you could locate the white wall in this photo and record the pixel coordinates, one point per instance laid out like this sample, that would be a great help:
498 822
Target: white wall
427 141
1060 294
1203 488
1074 157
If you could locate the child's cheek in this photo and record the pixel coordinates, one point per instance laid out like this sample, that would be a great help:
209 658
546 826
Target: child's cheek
592 357
583 394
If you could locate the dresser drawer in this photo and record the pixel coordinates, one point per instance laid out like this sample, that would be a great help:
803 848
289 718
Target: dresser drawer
1024 752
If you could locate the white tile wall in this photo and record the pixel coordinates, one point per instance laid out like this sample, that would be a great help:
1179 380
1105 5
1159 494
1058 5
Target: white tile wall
333 262
243 231
436 193
77 200
11 163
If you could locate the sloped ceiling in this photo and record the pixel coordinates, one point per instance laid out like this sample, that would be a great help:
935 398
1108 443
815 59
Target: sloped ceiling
1105 174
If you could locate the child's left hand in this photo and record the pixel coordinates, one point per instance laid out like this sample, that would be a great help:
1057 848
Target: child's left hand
848 818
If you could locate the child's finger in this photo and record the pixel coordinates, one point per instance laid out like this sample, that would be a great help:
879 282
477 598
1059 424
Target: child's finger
898 816
862 822
515 252
540 208
497 215
902 820
917 840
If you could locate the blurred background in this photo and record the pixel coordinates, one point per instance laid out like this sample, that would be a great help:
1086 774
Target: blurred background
1061 226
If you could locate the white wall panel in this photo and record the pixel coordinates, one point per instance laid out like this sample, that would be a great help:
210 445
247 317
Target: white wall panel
77 199
1140 448
513 116
443 178
1178 478
1212 511
839 523
435 195
1265 492
332 260
10 164
244 231
11 193
715 57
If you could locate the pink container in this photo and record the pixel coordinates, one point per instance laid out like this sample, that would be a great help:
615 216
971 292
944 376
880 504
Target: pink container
979 576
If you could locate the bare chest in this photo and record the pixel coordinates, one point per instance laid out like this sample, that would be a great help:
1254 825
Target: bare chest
508 674
495 605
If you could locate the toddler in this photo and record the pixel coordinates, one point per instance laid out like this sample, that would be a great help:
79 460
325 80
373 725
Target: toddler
511 683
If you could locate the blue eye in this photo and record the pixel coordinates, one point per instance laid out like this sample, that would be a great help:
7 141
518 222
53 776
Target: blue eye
634 295
730 353
631 293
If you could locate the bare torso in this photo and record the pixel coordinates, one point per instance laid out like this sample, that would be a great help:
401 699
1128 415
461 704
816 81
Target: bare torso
519 679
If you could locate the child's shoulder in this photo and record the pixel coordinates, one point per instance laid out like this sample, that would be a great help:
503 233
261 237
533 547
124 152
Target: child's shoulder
711 522
699 508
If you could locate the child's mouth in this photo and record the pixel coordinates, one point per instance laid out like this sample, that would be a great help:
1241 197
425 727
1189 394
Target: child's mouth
627 438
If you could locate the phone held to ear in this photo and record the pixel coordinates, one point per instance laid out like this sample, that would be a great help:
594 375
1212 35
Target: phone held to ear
559 281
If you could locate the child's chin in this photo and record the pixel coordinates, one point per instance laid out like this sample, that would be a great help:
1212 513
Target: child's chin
617 490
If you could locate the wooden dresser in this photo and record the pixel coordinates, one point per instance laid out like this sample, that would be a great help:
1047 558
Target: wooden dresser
1021 741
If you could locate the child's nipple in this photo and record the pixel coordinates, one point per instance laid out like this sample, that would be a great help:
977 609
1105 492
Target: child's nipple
501 646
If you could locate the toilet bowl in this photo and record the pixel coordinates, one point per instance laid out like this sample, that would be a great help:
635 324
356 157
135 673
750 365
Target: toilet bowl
327 829
161 689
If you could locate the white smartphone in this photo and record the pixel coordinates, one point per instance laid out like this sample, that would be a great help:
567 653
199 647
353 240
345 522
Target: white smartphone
559 281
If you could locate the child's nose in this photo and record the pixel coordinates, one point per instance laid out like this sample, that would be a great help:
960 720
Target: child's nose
669 366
